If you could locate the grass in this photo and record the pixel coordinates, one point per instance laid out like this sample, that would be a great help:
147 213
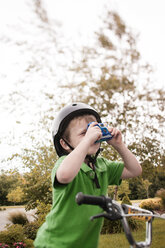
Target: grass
119 240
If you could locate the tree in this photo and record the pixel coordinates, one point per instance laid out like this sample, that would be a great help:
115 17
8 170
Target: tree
38 180
122 190
137 188
158 181
16 195
9 180
112 78
146 186
108 78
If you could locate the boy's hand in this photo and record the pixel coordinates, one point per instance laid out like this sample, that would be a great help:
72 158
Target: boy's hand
93 133
117 137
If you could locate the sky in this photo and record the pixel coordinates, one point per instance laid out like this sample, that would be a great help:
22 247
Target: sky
21 37
147 18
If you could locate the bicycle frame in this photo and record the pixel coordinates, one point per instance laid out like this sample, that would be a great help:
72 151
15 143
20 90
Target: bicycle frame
115 211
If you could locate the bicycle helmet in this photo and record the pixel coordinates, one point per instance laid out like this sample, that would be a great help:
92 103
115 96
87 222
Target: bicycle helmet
63 118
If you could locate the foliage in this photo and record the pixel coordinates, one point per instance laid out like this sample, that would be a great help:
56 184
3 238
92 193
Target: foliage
3 245
126 200
111 70
16 195
161 193
107 78
137 188
14 237
30 230
9 180
122 190
42 210
19 245
115 226
38 180
158 181
111 226
2 209
13 234
141 187
133 224
151 204
18 217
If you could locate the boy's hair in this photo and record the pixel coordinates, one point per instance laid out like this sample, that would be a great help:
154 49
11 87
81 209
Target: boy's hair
63 119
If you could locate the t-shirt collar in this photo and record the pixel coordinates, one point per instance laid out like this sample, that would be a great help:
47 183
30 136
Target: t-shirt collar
99 166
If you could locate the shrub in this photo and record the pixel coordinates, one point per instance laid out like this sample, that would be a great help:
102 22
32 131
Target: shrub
18 218
151 204
42 210
19 245
126 200
14 235
2 209
116 225
133 223
30 230
111 226
3 245
161 193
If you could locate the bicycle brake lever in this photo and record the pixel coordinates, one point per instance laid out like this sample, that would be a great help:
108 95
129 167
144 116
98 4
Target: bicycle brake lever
107 216
99 216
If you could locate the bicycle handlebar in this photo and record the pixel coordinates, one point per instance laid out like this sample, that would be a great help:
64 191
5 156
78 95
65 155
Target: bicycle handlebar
115 211
90 199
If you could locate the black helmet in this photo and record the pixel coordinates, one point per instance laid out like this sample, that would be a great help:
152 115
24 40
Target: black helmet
63 118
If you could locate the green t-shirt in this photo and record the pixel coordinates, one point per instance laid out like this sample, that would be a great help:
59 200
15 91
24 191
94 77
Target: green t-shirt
68 225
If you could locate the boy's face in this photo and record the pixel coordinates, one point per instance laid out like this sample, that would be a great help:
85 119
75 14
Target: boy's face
77 131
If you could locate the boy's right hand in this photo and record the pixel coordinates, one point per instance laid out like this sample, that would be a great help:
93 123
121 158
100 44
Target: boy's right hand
93 133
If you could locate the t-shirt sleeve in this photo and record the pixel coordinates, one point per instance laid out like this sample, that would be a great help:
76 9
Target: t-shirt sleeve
53 174
114 171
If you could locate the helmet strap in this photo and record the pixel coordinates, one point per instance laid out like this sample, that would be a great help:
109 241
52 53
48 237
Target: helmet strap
91 163
68 144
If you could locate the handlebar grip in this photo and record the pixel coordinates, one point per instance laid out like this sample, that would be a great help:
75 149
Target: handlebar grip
90 199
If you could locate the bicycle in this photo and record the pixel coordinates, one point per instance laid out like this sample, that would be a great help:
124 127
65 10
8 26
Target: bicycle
115 211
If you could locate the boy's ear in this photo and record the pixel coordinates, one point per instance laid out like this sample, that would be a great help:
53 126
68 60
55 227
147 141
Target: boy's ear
64 145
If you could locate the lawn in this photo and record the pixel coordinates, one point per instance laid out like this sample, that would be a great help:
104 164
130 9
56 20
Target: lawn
119 240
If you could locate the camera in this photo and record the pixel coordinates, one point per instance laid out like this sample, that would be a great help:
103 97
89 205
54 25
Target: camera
106 135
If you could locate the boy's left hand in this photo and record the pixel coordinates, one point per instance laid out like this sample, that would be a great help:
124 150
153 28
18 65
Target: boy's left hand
117 137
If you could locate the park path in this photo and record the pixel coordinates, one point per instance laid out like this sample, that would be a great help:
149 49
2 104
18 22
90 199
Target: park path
4 215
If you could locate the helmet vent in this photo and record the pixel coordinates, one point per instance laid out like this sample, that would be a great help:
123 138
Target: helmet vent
74 104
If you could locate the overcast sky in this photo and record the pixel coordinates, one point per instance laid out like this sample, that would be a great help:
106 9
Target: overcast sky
148 19
78 18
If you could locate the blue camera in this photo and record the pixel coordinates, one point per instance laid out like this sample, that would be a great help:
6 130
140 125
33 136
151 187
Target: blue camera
106 135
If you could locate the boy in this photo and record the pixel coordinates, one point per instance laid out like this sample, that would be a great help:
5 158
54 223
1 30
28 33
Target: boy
80 170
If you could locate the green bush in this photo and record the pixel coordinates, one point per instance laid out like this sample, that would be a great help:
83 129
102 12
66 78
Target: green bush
18 218
15 234
111 226
161 193
133 223
2 209
126 200
42 210
151 204
116 226
30 230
